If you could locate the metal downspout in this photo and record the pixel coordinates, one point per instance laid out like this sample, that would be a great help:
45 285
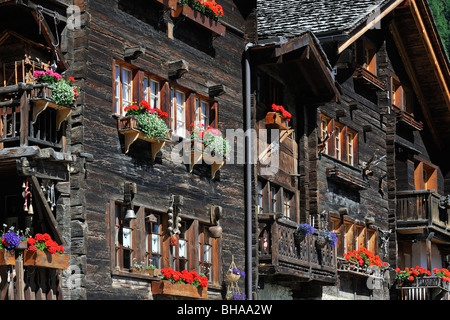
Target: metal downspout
248 177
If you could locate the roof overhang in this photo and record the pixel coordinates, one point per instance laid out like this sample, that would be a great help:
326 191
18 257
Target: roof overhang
427 65
370 22
302 60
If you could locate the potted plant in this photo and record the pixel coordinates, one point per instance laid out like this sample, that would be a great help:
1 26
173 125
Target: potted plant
234 274
145 123
137 267
52 91
326 237
302 231
43 251
365 259
278 118
152 270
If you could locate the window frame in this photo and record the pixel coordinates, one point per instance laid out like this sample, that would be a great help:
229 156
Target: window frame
148 94
149 250
118 101
119 248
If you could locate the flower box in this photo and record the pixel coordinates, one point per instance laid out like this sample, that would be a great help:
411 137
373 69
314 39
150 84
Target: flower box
180 290
44 259
41 100
199 18
274 121
198 153
7 257
129 127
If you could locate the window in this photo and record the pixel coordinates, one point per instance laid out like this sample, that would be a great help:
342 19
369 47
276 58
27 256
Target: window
371 240
123 240
205 252
401 95
425 176
342 144
178 111
370 58
151 92
179 252
202 112
287 200
360 237
260 197
273 199
153 242
337 143
351 146
123 88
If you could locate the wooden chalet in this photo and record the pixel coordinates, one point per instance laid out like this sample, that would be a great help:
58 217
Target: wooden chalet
345 108
363 152
119 201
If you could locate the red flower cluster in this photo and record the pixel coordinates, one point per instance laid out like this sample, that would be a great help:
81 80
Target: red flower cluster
144 106
443 273
411 273
44 242
364 258
189 277
199 130
281 112
213 6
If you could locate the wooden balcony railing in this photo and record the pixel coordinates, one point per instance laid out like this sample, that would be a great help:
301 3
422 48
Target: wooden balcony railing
31 276
28 117
421 207
279 253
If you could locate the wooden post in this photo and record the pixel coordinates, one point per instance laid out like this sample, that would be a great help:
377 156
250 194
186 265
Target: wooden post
24 104
20 284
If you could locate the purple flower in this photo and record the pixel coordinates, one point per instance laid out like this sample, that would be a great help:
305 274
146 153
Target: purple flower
239 296
239 272
11 239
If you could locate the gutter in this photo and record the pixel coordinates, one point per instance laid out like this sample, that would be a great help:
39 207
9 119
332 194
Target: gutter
248 176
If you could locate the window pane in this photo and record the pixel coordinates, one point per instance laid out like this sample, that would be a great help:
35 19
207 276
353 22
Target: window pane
117 90
146 96
154 90
207 253
127 238
155 243
182 248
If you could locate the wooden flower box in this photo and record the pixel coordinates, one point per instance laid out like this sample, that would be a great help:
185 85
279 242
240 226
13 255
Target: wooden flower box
37 259
41 98
198 153
129 127
199 18
274 121
179 290
45 259
7 257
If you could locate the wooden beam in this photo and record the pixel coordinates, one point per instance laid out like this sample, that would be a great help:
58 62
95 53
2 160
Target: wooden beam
48 35
414 80
48 214
369 25
429 47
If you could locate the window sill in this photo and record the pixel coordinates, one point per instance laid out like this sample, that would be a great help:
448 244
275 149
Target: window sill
143 276
346 178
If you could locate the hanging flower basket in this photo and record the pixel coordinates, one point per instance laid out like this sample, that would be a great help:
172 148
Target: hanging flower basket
320 242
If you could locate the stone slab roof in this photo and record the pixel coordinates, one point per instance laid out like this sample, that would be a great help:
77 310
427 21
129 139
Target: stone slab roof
289 18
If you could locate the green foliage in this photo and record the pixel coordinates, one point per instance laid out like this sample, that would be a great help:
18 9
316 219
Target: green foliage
215 144
441 14
152 126
62 93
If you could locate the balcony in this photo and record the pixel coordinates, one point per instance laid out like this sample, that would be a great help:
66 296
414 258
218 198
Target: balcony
28 117
280 255
31 276
422 208
424 288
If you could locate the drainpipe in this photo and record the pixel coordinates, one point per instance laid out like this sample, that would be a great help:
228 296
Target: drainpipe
248 176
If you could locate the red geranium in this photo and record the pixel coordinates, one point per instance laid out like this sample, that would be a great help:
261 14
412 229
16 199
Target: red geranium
188 277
